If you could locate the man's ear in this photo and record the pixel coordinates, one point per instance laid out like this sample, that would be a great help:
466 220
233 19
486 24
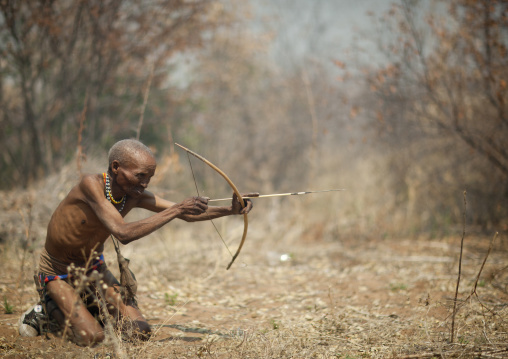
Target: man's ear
114 166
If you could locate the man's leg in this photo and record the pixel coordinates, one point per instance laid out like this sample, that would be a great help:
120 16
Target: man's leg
128 314
71 312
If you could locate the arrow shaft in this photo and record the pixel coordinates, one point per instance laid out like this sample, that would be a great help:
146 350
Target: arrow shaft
278 194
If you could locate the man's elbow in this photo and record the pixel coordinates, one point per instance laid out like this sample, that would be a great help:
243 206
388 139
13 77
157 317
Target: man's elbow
124 236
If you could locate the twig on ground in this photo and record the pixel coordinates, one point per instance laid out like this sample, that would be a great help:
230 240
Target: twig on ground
145 346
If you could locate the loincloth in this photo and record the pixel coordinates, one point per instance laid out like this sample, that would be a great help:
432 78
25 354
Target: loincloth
51 268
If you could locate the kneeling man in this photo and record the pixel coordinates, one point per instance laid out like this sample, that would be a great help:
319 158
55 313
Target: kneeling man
92 211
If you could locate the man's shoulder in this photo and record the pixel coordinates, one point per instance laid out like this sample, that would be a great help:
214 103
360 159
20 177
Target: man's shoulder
90 178
90 183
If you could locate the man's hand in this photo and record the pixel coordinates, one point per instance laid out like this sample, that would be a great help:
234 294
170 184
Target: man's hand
193 206
237 206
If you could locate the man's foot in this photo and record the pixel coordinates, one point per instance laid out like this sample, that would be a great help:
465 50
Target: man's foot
29 324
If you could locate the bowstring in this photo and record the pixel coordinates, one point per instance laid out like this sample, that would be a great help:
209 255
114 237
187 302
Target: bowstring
209 218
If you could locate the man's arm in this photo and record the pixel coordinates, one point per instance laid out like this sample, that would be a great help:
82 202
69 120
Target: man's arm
154 203
92 189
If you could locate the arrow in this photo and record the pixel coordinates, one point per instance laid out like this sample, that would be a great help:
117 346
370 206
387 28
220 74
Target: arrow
279 194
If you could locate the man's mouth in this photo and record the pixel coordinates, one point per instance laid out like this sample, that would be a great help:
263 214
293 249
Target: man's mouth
139 190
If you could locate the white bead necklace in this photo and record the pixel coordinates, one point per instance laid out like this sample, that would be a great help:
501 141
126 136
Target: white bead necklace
109 195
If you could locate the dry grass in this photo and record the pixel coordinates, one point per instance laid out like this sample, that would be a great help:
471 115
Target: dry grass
355 297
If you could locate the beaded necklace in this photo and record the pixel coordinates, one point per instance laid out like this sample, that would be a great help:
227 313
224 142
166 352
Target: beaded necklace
109 195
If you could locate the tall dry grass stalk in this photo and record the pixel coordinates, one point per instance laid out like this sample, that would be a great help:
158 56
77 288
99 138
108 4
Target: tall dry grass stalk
452 332
473 291
80 282
117 328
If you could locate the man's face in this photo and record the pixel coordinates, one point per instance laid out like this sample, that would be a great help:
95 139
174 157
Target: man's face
134 175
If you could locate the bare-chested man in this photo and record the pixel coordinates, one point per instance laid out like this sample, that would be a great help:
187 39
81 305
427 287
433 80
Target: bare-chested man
91 212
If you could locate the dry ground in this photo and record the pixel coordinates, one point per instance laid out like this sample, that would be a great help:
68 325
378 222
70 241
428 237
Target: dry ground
349 298
339 295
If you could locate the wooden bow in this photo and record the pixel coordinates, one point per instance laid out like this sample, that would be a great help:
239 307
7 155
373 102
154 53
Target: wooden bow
235 190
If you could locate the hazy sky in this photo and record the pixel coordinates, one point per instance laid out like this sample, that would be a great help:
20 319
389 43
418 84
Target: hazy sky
317 28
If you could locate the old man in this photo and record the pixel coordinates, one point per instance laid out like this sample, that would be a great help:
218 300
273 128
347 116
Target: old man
92 211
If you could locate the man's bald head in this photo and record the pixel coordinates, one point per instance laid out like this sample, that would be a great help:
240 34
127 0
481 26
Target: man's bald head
123 151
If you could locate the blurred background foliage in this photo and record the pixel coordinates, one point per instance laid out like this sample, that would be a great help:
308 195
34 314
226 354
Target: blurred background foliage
406 116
